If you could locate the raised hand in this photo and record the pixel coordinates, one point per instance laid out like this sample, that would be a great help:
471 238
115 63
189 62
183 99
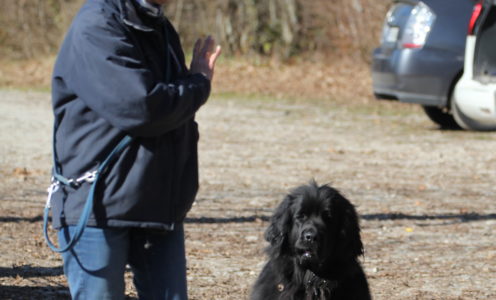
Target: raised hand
205 54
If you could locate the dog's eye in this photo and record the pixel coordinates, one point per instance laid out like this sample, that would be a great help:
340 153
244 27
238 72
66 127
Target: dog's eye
300 217
326 214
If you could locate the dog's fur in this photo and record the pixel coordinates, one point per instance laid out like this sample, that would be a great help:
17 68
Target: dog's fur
314 247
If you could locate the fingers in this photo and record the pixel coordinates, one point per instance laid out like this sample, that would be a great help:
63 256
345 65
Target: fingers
214 56
207 47
205 55
196 48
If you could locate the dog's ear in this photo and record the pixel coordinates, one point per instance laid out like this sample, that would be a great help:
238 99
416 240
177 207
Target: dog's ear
280 224
350 243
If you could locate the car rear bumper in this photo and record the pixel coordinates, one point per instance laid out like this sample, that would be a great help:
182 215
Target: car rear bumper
477 100
402 75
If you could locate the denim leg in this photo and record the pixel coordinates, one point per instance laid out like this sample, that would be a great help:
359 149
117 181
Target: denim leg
158 262
95 266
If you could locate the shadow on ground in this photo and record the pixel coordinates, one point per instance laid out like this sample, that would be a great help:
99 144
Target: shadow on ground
457 218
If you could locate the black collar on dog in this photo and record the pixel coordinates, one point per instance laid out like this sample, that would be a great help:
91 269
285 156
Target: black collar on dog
319 286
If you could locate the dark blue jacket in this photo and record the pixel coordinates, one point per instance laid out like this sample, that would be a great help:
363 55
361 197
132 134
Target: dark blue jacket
120 71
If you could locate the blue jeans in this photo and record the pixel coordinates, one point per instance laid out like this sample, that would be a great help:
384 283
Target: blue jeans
95 266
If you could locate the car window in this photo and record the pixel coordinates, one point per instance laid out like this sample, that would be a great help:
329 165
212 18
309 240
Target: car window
396 19
399 14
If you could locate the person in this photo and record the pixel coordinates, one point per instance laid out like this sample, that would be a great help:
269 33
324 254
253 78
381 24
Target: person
121 72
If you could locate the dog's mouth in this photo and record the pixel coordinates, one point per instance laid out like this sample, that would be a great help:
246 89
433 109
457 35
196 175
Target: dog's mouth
307 257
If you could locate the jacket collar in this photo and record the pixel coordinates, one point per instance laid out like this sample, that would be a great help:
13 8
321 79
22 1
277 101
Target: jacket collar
154 10
130 16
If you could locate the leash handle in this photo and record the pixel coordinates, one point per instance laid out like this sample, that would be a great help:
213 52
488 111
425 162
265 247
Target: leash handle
88 206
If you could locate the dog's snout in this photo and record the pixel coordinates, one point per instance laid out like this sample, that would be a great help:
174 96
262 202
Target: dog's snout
309 235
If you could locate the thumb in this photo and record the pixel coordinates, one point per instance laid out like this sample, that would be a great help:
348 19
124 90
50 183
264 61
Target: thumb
214 56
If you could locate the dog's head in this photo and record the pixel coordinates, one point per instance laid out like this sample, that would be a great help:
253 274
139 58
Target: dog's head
315 226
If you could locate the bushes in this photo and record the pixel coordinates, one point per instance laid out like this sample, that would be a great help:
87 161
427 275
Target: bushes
276 28
283 28
29 28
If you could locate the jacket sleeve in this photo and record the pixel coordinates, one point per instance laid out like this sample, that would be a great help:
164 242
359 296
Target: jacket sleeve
106 70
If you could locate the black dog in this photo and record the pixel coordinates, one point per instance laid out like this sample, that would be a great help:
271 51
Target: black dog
314 248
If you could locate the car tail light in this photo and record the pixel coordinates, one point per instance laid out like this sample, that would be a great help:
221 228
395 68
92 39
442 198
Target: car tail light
418 26
475 15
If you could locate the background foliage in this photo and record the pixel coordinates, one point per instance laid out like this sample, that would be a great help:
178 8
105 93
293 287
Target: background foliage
274 28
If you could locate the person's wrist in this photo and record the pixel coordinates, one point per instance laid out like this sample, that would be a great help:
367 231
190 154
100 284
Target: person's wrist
204 75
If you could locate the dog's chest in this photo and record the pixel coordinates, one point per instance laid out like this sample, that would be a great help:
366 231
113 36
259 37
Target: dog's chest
313 288
317 288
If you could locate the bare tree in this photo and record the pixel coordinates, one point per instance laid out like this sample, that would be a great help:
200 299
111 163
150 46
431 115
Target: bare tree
280 28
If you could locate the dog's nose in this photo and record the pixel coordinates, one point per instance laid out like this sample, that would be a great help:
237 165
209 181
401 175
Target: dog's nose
309 236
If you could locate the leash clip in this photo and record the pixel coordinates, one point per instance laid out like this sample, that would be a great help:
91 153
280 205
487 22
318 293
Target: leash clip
51 189
89 177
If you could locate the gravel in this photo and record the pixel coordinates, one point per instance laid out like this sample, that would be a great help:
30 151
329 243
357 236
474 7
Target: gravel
426 196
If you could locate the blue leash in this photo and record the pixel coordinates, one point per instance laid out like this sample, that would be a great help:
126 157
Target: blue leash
93 178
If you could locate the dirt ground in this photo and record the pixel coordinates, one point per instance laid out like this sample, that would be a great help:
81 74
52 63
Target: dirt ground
426 196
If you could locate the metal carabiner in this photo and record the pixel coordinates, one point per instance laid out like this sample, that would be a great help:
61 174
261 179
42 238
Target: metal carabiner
51 189
89 177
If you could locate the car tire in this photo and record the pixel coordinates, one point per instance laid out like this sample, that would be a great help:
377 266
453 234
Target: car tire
468 123
444 119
